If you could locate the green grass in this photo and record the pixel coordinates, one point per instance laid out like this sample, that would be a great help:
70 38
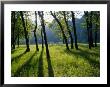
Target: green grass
62 63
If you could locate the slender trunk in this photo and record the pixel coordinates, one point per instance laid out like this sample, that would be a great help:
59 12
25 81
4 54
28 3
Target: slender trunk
97 17
42 39
25 31
66 22
96 35
95 38
64 37
18 37
45 37
13 31
63 41
35 36
88 34
74 28
87 23
90 26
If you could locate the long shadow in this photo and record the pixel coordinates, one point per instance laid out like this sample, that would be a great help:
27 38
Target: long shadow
85 55
17 57
50 69
17 48
13 51
17 73
40 65
88 53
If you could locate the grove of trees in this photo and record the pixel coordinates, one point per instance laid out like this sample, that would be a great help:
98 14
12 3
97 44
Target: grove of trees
22 27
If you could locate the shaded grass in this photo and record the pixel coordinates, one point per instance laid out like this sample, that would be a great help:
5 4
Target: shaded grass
25 64
17 57
40 64
50 69
62 63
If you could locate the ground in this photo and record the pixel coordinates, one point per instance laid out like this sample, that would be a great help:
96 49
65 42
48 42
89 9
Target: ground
62 63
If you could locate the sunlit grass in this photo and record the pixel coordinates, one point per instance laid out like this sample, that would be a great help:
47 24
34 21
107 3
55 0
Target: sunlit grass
74 63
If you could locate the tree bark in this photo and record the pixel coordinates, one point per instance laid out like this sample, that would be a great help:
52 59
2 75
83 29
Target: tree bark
96 35
66 22
13 30
95 38
74 28
87 23
90 26
35 36
18 37
64 37
42 38
40 13
25 31
63 41
97 17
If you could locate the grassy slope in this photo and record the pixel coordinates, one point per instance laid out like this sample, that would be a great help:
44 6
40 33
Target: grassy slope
63 63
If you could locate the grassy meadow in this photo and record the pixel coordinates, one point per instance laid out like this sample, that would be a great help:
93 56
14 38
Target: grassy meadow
62 63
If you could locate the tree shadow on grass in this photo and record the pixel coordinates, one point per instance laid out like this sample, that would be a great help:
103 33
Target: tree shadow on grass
86 55
50 69
40 65
17 57
13 51
17 48
17 73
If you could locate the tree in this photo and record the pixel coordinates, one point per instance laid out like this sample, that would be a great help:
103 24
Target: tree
87 24
61 27
35 32
25 31
42 38
41 15
90 27
66 22
13 20
96 22
74 28
18 37
18 28
41 33
56 30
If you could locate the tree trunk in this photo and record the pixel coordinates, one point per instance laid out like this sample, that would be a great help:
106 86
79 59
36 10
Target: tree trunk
42 39
13 30
45 37
96 35
18 37
63 41
74 28
25 31
87 23
97 17
66 22
90 26
95 38
35 36
64 37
